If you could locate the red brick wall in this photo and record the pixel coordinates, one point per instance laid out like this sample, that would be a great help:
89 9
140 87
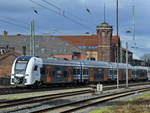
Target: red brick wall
6 62
69 57
5 70
104 45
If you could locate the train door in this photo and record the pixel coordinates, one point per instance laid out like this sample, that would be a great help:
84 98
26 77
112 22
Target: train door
98 75
36 73
148 74
59 74
43 72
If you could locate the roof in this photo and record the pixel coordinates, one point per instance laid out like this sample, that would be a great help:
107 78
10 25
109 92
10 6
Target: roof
115 37
80 40
104 24
45 46
123 49
135 57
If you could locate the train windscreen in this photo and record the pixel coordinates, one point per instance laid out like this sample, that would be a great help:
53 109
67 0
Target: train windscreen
20 67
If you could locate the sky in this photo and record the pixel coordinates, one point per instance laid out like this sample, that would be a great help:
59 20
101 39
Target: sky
70 17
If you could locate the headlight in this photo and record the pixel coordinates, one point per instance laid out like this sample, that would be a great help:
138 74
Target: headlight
16 80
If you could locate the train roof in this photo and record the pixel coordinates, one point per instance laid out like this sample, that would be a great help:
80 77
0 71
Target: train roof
86 63
120 65
139 67
55 61
26 58
89 63
102 64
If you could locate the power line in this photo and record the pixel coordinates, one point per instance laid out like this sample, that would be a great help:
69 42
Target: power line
8 22
51 5
16 21
61 10
61 14
67 12
44 7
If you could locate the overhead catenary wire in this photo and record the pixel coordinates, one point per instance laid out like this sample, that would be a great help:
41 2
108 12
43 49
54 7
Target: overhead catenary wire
61 14
17 25
61 10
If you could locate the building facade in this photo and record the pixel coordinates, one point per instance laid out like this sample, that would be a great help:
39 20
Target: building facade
100 47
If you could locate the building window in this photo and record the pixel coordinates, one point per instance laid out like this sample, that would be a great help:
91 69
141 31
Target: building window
81 47
55 51
89 47
103 34
92 58
42 50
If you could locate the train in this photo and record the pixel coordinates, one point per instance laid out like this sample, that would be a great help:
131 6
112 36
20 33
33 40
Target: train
35 71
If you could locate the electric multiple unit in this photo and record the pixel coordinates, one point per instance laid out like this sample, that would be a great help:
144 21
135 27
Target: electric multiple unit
29 70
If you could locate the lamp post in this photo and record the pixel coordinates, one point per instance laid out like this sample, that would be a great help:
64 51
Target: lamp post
25 44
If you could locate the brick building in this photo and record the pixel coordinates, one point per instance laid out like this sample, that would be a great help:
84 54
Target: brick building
6 61
100 47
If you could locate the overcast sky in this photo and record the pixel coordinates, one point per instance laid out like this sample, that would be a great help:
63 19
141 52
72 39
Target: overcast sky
70 17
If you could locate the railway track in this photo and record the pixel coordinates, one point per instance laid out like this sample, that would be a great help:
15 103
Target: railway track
77 105
85 103
13 90
18 102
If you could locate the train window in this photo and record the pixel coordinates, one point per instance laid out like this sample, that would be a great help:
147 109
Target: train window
35 68
58 72
65 73
100 70
76 71
85 71
43 71
112 72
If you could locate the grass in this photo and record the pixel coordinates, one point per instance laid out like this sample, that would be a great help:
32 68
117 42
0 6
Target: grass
139 104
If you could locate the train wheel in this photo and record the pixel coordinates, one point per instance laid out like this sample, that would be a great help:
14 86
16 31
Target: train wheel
37 84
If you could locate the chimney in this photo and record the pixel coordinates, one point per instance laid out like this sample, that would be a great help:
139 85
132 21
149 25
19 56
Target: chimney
11 49
5 34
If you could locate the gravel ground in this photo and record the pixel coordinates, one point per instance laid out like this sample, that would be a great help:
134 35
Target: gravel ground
109 103
45 104
33 94
31 107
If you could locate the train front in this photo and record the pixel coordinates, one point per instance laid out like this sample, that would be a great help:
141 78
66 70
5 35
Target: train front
20 76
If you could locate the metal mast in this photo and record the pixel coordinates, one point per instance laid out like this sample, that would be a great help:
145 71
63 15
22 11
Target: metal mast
32 39
133 30
117 30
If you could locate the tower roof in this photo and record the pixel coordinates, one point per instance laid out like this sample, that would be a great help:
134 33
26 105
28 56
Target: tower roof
104 24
